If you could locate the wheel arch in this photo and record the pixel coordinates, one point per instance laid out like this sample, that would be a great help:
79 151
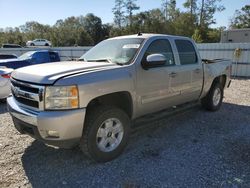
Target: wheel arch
122 100
222 79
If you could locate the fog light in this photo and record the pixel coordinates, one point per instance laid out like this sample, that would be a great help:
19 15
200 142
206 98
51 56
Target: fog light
53 134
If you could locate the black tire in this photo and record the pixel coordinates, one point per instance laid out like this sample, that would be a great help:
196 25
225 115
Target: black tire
32 44
46 44
208 102
95 119
3 100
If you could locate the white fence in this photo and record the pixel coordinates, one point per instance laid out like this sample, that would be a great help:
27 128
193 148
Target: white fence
238 53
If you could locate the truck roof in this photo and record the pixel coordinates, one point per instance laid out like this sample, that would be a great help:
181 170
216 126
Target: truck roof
149 35
43 51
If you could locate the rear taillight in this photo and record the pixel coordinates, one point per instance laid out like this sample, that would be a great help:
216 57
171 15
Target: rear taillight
5 75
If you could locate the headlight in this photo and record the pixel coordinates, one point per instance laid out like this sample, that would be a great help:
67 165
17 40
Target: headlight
61 97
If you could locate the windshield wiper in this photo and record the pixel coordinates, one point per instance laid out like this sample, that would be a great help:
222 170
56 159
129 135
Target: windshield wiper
81 59
100 60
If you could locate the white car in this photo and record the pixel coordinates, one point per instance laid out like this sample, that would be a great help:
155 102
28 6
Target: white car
5 82
38 42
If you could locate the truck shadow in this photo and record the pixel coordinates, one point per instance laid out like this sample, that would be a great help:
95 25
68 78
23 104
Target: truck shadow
3 107
161 145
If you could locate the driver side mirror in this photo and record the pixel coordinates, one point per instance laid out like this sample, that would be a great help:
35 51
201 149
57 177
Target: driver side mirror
154 60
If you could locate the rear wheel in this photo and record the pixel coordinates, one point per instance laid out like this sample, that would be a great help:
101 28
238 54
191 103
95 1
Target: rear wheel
214 98
46 44
105 134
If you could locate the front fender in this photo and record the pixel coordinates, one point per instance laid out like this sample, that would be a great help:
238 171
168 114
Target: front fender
99 83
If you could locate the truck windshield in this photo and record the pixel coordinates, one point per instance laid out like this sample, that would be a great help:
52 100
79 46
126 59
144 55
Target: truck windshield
120 51
26 56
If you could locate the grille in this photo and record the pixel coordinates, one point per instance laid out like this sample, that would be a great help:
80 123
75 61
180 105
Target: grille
27 94
27 102
25 87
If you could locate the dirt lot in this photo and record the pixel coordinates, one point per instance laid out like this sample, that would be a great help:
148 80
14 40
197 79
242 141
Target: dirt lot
193 149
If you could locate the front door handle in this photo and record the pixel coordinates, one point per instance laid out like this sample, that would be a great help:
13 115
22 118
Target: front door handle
173 74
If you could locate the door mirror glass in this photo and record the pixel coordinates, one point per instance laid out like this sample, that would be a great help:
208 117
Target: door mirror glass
154 60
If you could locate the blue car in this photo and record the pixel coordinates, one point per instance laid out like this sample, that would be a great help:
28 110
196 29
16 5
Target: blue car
31 58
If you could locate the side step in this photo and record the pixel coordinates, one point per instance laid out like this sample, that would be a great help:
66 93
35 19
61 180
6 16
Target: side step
145 121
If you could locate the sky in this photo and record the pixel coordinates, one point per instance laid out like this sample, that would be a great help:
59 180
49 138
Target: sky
14 13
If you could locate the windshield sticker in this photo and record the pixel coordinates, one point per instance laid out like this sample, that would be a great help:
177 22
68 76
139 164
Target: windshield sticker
131 46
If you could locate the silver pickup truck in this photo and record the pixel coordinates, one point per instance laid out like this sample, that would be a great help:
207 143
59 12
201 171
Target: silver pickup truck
91 102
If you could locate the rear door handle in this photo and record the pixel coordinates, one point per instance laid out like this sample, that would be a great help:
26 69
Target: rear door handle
197 70
173 74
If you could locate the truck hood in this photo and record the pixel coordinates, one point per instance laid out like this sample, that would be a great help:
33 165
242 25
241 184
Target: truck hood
9 60
49 73
11 63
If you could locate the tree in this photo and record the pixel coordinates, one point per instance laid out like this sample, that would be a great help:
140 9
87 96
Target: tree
169 9
207 9
241 18
118 12
149 21
191 5
182 25
214 35
131 6
93 25
205 16
197 36
70 32
195 21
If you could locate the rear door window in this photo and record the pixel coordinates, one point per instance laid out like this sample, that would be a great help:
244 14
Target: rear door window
41 57
186 51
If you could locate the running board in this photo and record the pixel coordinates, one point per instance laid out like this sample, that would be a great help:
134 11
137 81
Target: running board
148 119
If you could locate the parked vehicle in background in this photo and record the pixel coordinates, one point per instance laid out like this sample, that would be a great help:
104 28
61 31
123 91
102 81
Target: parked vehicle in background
91 103
11 46
38 42
8 56
5 82
31 58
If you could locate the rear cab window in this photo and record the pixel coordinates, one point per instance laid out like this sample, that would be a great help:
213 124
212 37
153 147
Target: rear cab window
186 51
53 56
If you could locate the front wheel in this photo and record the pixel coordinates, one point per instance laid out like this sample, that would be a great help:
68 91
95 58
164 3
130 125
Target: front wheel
105 133
3 100
213 99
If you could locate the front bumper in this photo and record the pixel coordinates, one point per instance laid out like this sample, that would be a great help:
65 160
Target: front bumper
68 124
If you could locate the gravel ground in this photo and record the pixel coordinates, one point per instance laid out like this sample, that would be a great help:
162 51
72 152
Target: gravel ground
192 149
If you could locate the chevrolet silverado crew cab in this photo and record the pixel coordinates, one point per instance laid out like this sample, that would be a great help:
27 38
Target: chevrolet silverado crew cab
91 102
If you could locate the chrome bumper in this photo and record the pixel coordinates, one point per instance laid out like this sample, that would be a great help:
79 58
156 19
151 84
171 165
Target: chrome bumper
68 124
